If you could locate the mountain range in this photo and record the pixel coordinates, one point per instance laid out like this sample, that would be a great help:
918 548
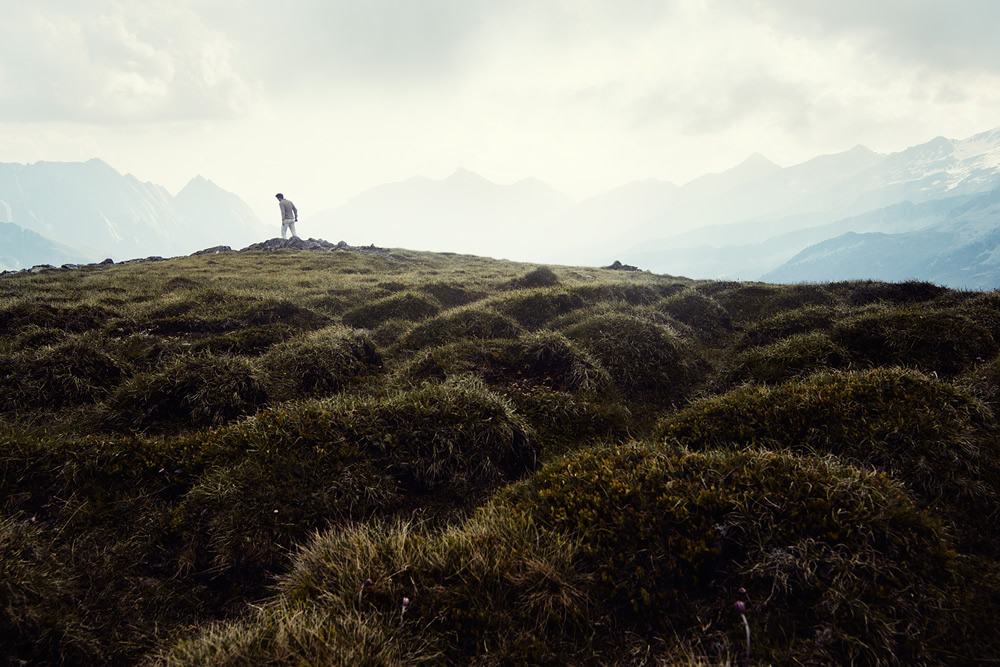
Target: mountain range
82 211
929 212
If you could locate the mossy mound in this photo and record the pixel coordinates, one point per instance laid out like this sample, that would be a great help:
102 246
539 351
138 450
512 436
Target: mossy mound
248 342
707 319
32 337
406 306
70 373
319 363
864 292
543 276
39 619
600 555
534 308
458 434
640 355
947 343
450 295
542 359
188 392
468 323
829 556
629 293
752 302
796 356
74 319
934 437
783 325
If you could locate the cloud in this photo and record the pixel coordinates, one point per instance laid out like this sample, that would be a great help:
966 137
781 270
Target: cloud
934 34
110 62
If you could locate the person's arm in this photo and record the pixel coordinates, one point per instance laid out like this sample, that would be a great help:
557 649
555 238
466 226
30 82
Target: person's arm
295 211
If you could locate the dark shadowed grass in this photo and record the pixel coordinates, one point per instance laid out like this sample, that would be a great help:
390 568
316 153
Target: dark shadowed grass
747 303
796 356
189 391
640 355
790 323
68 373
474 322
590 559
939 440
707 319
319 363
947 343
172 434
405 306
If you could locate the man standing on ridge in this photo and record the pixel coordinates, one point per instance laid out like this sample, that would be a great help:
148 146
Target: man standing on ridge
289 215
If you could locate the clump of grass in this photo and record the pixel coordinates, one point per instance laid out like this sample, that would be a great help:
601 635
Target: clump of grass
73 372
449 294
640 355
926 432
752 302
319 363
39 618
543 276
188 392
32 337
947 343
708 320
796 356
534 308
816 545
467 323
270 480
603 552
406 306
249 341
790 323
864 292
74 319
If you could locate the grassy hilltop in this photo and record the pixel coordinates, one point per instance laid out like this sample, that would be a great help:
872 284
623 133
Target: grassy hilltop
338 458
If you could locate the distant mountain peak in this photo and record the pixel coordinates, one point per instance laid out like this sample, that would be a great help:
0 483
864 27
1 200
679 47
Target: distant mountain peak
757 160
463 175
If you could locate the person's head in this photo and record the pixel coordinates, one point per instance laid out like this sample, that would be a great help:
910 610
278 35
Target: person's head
280 196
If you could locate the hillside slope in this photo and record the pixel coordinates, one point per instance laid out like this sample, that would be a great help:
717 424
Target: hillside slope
332 457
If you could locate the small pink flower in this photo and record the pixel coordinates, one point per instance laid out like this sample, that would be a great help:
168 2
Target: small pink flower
740 607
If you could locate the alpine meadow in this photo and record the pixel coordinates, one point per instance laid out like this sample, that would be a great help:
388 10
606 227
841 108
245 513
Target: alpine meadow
357 456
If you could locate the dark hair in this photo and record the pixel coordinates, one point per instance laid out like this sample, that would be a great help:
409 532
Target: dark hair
280 196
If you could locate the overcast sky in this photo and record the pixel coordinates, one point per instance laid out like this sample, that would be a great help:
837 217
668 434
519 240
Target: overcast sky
322 99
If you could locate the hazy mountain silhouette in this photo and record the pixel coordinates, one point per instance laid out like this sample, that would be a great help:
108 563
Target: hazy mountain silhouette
91 206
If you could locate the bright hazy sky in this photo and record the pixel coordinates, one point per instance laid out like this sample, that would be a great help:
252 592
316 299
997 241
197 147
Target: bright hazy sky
322 99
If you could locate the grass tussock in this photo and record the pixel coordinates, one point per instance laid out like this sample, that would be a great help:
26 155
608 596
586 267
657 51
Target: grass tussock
339 458
928 433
